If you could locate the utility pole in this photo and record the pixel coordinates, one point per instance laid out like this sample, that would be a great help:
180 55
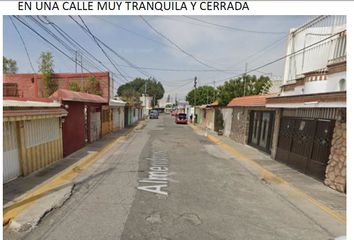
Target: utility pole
145 98
195 91
244 80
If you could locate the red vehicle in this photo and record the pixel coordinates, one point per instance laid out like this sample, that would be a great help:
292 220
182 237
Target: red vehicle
181 118
174 113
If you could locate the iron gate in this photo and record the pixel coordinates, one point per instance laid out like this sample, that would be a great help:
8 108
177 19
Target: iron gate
304 144
261 129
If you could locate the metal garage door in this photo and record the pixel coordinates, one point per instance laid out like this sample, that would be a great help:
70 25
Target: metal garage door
304 144
95 126
11 168
116 119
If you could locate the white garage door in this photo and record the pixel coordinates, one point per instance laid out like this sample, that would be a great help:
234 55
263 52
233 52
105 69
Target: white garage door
95 126
11 161
116 119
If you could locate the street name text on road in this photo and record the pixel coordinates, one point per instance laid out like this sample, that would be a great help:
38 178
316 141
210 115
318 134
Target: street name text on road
158 174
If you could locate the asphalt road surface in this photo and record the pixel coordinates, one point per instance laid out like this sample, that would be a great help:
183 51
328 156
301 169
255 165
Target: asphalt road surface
166 182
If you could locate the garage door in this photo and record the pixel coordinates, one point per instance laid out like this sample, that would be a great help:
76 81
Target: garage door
95 126
116 119
304 144
11 168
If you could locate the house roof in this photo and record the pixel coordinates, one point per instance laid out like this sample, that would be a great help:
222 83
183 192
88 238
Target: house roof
30 113
16 109
256 100
117 102
213 104
318 100
29 102
67 95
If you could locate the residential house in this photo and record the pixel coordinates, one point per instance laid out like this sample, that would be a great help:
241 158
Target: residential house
312 136
117 113
32 135
83 122
146 103
31 85
253 123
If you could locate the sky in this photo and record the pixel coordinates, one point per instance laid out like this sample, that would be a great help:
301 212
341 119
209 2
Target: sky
211 48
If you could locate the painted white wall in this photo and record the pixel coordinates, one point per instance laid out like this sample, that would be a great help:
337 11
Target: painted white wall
334 82
227 116
313 58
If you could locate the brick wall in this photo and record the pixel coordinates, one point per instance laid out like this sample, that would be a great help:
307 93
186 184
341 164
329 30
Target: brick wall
32 86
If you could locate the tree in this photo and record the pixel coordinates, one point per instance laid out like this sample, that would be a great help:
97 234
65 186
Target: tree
203 95
92 86
45 67
130 95
73 86
168 98
153 88
238 87
9 65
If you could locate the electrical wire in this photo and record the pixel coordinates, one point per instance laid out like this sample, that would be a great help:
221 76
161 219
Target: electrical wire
76 44
113 51
233 28
24 44
104 52
281 58
47 41
177 46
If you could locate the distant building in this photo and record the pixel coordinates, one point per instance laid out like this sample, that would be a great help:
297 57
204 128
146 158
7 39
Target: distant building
146 103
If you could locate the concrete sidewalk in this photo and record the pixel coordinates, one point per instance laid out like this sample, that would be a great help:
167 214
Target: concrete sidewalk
28 199
315 189
21 185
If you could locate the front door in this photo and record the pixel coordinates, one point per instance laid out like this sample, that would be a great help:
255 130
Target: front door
260 132
11 160
321 148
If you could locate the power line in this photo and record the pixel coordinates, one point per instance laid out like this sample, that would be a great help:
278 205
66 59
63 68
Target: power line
47 41
24 44
176 45
76 44
104 52
113 51
283 57
66 45
233 28
135 33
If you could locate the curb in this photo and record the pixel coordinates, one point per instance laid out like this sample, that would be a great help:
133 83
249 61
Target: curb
272 177
27 199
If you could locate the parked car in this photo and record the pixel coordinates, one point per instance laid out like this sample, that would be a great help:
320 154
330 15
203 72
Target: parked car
181 118
154 114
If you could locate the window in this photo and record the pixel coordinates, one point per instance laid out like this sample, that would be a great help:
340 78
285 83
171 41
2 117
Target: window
10 90
342 86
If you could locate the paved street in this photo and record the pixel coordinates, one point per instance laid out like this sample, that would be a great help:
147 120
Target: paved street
201 192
